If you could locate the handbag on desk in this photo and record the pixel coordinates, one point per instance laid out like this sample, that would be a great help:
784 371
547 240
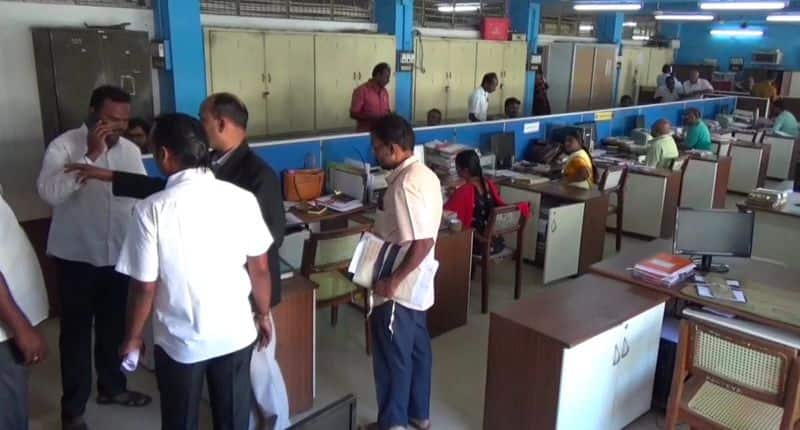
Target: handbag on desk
303 184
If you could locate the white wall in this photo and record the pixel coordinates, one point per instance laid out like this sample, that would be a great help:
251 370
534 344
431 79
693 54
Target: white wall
21 145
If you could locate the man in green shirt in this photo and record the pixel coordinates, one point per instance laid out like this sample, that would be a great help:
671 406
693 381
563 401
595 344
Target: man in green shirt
785 122
661 149
697 135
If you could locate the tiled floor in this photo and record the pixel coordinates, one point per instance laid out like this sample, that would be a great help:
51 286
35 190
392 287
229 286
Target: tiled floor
342 367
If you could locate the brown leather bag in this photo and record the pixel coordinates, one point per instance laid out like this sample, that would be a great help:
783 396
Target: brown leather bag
303 184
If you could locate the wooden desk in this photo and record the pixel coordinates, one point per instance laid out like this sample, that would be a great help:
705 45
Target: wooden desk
452 283
575 234
296 328
651 202
783 156
776 233
705 183
773 292
330 219
553 359
748 167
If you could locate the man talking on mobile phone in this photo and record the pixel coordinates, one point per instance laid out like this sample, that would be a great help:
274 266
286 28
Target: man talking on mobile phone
86 234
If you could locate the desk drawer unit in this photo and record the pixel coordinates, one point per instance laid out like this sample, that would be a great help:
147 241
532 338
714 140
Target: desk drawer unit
777 237
699 183
644 205
780 156
745 168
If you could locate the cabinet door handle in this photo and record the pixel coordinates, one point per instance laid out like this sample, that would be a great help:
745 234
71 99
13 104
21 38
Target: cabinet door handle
625 348
269 78
553 225
354 76
359 76
616 355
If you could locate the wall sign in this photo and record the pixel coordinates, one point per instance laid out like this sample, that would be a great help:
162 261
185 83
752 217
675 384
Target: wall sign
736 64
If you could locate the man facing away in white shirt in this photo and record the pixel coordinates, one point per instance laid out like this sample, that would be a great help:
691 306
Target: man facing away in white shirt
86 234
478 108
197 284
23 304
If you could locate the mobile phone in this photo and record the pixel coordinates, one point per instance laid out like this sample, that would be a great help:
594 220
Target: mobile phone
92 120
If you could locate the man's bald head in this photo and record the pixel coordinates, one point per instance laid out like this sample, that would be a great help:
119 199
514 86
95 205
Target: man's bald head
662 127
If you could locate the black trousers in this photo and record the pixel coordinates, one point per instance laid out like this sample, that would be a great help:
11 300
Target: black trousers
181 386
13 388
90 295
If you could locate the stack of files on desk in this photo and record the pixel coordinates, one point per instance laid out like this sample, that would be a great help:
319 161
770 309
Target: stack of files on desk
664 269
441 156
340 202
521 177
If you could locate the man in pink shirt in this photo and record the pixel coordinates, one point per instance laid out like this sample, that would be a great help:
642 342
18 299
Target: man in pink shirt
370 100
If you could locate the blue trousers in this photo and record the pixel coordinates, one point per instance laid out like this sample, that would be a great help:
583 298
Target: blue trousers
401 361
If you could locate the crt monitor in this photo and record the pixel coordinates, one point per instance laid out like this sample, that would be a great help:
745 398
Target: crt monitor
504 149
710 232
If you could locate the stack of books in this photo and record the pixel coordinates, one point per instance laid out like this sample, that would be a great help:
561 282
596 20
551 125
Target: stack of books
441 156
340 202
664 269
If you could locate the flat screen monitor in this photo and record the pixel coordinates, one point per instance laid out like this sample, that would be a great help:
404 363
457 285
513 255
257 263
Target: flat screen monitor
503 147
640 122
710 232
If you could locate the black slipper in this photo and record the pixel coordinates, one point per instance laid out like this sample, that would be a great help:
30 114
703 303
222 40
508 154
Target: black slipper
129 399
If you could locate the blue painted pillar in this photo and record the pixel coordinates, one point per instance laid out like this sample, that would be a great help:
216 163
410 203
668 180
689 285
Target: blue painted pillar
183 81
396 17
609 28
525 15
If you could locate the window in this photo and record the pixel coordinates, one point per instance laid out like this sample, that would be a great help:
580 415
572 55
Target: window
456 13
337 10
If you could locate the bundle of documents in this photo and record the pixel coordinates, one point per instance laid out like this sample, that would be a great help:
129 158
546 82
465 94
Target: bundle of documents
767 198
729 290
340 202
441 156
664 269
376 259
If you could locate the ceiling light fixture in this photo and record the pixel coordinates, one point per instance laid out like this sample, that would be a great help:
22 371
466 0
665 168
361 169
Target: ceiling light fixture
595 7
742 5
737 32
585 27
640 37
788 17
458 7
629 24
683 17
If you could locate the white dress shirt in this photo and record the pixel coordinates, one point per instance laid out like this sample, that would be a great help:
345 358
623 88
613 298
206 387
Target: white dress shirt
88 223
202 308
20 268
700 85
412 210
668 96
479 104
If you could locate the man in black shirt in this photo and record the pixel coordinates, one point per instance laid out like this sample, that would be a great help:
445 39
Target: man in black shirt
224 119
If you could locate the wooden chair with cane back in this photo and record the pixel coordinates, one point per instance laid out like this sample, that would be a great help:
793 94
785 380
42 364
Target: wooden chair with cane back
326 256
613 183
728 379
503 221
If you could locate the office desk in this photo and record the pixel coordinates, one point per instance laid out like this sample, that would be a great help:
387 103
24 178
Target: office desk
554 359
748 166
776 233
330 219
296 328
705 183
651 202
773 292
566 232
452 284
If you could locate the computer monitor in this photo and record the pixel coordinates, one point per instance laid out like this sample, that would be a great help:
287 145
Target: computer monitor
503 147
640 122
710 232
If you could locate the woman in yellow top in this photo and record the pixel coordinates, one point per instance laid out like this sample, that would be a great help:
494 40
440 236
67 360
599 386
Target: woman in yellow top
579 169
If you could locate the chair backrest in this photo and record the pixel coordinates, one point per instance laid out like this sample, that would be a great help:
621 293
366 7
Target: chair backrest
504 220
330 250
613 179
679 164
746 136
754 366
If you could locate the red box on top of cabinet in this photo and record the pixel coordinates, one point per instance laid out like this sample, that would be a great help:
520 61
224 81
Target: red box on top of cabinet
495 28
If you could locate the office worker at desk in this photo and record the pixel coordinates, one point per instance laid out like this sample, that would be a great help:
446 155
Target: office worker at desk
669 92
696 86
224 119
411 213
478 106
661 150
474 201
579 168
698 136
785 122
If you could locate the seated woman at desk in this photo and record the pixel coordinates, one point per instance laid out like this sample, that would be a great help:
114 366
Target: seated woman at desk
473 202
579 169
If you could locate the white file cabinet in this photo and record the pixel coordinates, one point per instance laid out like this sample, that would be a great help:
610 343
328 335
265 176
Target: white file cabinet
562 228
780 156
745 167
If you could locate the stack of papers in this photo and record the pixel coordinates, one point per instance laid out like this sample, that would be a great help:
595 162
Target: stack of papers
729 290
664 269
441 156
340 202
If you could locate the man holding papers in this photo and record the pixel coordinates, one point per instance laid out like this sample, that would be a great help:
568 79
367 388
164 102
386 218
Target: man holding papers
409 215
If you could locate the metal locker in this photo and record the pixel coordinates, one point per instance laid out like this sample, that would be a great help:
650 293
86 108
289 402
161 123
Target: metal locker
336 77
603 77
462 79
582 70
430 77
70 63
513 75
289 82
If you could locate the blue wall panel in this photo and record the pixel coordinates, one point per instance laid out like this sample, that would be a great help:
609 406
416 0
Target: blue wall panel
290 155
354 147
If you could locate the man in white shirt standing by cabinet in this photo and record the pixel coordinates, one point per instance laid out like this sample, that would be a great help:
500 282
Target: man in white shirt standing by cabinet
197 284
410 214
86 234
23 304
696 86
478 108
